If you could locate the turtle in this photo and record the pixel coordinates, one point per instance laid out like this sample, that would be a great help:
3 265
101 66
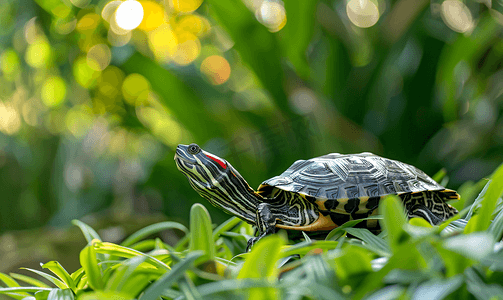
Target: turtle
318 194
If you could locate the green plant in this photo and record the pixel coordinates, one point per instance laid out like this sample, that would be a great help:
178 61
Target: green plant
407 260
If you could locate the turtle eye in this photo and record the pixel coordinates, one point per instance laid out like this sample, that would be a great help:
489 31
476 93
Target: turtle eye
193 149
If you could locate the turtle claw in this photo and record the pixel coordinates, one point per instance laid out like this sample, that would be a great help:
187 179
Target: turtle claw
252 242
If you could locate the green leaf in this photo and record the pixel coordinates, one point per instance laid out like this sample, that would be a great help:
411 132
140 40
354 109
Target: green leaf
372 242
89 233
225 226
56 294
496 227
56 268
439 175
102 295
123 274
188 288
121 251
474 246
489 203
154 228
29 280
51 278
394 220
297 33
89 263
305 247
8 280
438 288
201 236
261 263
165 281
337 232
352 261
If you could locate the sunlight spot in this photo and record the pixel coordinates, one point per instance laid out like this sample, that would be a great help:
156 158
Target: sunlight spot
163 43
216 68
88 23
10 121
109 10
457 16
153 16
272 15
129 14
83 73
188 49
186 6
194 24
99 57
80 3
53 91
135 89
79 120
9 64
38 54
362 13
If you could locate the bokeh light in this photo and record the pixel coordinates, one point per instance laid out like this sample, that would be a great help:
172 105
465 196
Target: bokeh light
9 64
272 15
362 13
153 15
189 48
38 54
10 121
99 57
83 73
79 120
80 3
163 43
129 14
457 16
186 6
216 68
135 89
53 91
88 23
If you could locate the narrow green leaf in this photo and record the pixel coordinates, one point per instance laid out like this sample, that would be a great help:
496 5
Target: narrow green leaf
8 280
121 251
337 232
201 236
225 226
305 247
102 295
89 263
56 294
491 197
352 261
394 220
56 268
496 227
89 233
51 278
439 175
123 273
23 289
438 289
165 281
475 246
188 288
151 229
261 262
29 280
372 242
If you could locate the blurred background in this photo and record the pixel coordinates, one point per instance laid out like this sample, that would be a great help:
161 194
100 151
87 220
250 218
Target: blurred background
95 96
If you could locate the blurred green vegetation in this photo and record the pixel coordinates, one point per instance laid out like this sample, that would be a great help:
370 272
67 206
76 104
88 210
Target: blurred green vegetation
93 102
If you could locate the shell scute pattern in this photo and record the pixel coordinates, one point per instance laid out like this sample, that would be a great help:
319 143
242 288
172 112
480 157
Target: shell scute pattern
352 183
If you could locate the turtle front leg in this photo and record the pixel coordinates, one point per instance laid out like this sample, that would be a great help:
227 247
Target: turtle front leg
266 223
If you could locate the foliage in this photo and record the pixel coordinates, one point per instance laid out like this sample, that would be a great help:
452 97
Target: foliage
408 261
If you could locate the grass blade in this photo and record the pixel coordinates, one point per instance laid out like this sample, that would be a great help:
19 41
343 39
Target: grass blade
56 268
89 262
50 278
201 236
154 228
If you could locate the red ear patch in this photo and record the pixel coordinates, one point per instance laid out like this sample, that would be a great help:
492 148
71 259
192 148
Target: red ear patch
221 163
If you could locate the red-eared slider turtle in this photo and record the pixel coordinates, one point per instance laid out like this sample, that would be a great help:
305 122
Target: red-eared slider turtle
317 194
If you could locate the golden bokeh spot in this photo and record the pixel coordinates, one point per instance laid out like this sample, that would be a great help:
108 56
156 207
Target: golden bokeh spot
163 43
457 16
129 14
194 24
109 10
83 73
189 48
118 40
31 31
153 15
272 15
38 54
110 82
99 57
185 6
216 68
362 13
88 23
9 64
10 121
80 3
65 26
61 10
162 125
79 120
53 91
135 89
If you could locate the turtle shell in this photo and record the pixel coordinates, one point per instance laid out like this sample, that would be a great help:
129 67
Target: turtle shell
335 178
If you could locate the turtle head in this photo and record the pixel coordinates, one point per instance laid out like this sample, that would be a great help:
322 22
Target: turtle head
203 169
